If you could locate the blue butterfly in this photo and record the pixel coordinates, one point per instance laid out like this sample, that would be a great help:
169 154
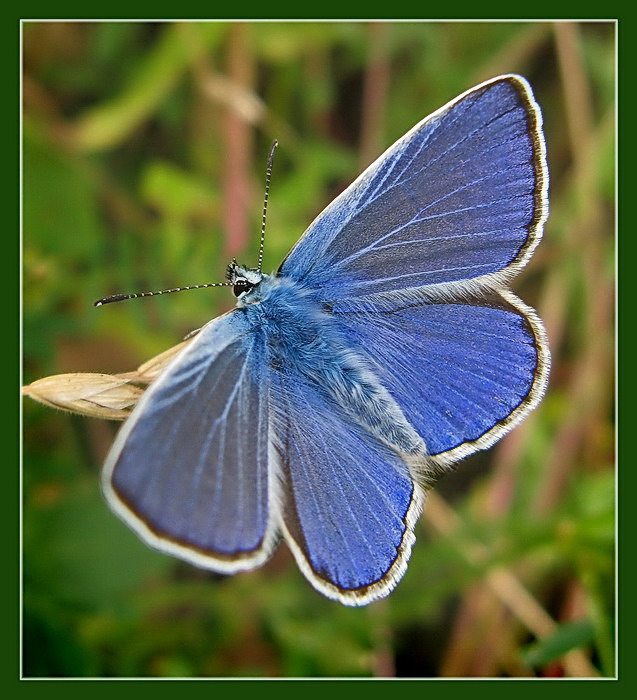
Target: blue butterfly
385 348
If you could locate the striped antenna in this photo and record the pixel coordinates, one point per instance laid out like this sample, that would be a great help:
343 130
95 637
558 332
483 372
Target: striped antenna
122 297
268 174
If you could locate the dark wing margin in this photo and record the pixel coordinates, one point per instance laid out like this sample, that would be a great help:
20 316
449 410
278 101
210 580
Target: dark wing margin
349 504
189 469
464 372
456 205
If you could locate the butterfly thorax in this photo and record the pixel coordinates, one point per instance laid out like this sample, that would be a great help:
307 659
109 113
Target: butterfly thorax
303 337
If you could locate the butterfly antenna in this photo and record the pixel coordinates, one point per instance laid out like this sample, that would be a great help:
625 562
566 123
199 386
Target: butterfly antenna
268 174
123 297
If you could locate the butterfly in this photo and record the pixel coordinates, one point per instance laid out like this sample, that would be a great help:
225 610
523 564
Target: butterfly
385 348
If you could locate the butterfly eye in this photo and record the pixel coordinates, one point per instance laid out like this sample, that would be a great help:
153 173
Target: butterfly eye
241 285
231 270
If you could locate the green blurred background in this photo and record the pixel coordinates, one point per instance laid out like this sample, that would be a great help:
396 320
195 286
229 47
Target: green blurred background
144 151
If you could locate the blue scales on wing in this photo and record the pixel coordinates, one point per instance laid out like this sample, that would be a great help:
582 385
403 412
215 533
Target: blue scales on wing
189 470
413 258
459 197
463 372
349 503
386 348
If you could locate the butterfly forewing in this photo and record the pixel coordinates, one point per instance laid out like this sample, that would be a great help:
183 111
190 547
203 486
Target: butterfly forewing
385 349
460 197
189 471
349 505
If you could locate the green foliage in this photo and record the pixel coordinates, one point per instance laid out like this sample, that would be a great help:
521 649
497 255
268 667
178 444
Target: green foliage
566 637
144 153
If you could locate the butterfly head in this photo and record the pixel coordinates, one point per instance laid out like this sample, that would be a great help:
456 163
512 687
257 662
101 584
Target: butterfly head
243 280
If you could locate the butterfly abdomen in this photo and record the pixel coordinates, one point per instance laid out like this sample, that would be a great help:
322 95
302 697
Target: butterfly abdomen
385 349
303 338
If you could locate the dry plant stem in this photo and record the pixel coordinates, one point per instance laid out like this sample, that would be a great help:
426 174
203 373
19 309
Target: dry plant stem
578 103
470 652
150 370
375 89
591 377
519 51
459 651
583 391
491 649
552 308
506 462
96 395
106 396
509 452
238 139
484 641
590 383
504 584
582 130
219 89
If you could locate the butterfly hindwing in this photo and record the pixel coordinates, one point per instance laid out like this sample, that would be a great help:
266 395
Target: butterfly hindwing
461 198
386 348
189 469
464 372
349 503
